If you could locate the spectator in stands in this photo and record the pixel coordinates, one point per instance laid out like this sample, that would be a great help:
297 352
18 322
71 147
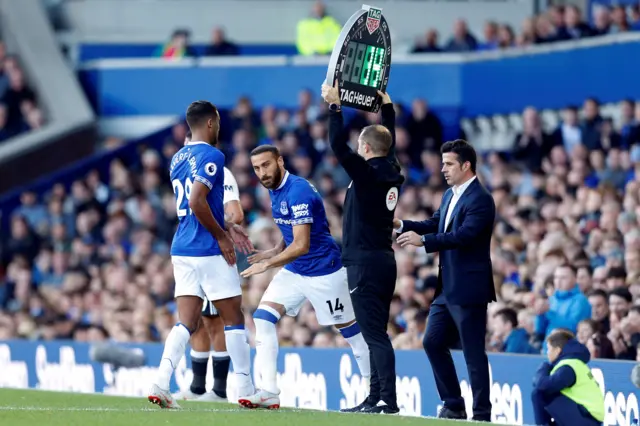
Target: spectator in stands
627 122
527 34
428 43
462 40
177 47
569 133
601 20
533 144
491 38
574 26
566 307
546 32
596 341
318 33
425 131
220 46
619 18
507 336
506 37
591 124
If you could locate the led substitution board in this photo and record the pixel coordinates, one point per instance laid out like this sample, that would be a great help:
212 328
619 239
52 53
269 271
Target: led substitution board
361 60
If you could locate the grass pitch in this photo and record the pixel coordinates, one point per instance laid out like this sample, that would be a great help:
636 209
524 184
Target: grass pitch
42 408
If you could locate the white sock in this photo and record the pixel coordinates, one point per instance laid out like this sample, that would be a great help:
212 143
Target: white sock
359 347
174 349
240 354
265 319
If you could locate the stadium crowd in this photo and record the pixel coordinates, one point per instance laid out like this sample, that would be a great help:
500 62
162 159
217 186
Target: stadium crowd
19 111
558 23
91 262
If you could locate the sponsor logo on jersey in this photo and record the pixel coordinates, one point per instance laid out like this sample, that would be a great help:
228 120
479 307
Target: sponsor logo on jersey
300 210
356 98
392 198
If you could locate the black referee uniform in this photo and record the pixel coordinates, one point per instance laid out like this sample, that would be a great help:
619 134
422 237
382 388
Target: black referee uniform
367 251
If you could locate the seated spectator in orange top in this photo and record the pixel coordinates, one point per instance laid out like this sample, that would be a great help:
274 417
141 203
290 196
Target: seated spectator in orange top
177 46
220 46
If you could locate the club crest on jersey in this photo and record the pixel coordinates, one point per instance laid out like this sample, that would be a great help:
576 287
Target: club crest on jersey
210 169
373 20
283 208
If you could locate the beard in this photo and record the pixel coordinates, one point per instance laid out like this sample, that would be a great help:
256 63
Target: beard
272 182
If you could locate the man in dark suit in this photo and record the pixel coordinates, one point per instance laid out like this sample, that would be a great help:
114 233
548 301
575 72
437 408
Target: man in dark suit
461 232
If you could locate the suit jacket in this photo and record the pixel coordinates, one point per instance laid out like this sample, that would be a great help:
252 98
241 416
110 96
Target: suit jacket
465 272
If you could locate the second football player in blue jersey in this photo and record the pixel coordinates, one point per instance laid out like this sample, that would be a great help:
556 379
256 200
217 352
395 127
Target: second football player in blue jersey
312 271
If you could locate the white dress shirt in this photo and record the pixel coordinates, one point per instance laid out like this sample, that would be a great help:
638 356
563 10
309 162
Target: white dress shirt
457 193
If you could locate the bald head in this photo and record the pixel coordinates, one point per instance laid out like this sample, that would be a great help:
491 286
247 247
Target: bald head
378 138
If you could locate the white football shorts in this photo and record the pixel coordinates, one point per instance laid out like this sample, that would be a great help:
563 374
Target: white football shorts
208 277
328 294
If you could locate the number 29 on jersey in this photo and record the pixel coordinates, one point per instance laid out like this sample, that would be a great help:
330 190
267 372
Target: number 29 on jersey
183 193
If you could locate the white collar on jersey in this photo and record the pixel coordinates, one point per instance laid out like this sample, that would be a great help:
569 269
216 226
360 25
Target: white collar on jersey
284 180
197 143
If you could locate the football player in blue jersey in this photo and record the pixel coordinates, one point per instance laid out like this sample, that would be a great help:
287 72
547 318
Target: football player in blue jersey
312 270
209 339
203 254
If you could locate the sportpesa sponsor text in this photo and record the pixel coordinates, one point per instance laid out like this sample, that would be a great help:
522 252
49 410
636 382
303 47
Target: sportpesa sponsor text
323 379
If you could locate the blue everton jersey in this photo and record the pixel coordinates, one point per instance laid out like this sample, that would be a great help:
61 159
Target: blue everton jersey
197 162
297 202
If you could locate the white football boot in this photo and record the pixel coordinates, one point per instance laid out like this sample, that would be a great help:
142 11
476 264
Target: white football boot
261 399
162 398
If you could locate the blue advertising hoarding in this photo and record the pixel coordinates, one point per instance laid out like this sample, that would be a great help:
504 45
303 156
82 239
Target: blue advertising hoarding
323 379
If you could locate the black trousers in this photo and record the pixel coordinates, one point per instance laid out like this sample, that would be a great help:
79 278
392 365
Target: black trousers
371 288
448 326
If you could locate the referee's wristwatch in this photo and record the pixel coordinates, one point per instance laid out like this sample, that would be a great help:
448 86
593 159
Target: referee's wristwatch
335 107
423 238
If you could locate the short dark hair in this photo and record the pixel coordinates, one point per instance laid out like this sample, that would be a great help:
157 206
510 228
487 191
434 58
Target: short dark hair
199 111
265 148
560 337
569 266
508 315
464 150
598 292
623 293
378 138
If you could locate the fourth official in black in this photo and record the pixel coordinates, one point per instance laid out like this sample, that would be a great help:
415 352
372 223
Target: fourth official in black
367 231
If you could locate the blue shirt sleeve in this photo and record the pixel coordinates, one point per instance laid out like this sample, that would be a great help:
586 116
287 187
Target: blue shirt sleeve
209 167
301 200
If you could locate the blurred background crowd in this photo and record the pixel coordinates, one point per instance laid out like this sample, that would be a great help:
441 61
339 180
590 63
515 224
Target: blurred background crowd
90 261
316 34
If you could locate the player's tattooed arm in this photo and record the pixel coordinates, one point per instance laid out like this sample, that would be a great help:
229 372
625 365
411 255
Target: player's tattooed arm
299 247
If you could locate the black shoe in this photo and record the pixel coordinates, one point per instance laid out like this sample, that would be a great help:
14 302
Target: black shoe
381 408
366 404
447 413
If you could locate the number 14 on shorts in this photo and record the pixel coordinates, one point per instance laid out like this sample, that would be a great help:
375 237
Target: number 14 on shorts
336 307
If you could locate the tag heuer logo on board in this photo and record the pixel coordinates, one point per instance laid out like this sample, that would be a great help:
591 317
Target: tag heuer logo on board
373 20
